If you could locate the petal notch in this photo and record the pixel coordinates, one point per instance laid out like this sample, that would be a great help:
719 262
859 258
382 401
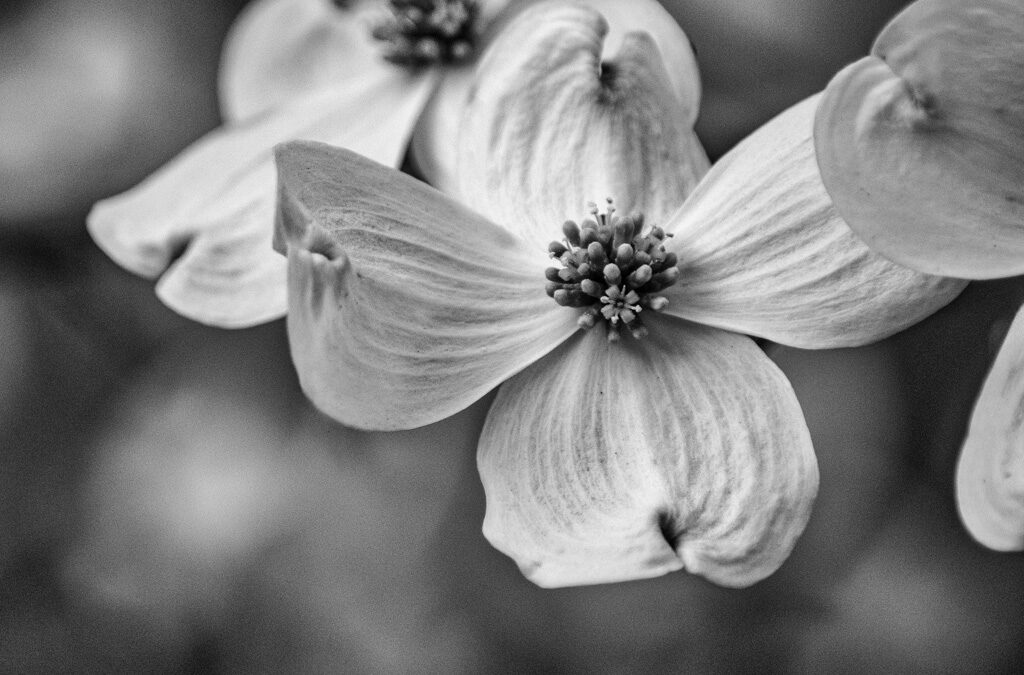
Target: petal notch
549 126
404 306
214 204
607 462
442 119
921 144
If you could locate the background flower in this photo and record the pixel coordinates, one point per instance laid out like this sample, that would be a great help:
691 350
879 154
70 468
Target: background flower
935 115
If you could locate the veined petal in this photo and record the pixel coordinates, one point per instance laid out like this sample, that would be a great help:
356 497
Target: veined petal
404 306
549 127
442 118
921 145
279 50
762 251
214 203
607 462
990 475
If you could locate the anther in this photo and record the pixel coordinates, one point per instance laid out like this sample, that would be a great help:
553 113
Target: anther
612 274
572 232
640 276
623 255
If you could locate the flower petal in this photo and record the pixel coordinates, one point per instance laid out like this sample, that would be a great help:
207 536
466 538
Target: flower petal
404 307
762 251
215 201
990 475
442 119
922 144
549 127
278 50
606 462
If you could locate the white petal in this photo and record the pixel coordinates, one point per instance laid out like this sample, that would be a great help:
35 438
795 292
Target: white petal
762 251
990 475
442 120
404 307
214 203
549 127
606 462
921 145
280 50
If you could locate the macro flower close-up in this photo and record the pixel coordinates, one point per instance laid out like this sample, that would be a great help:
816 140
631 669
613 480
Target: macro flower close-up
433 336
608 453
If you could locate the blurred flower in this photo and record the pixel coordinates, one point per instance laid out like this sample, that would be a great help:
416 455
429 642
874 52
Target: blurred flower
921 145
677 444
990 474
355 74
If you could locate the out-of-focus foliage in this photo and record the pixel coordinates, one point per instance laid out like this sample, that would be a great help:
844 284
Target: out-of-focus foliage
169 501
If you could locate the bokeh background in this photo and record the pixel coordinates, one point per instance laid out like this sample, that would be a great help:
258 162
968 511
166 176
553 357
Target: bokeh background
170 503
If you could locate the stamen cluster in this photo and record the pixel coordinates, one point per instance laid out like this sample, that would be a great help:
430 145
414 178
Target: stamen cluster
612 269
424 32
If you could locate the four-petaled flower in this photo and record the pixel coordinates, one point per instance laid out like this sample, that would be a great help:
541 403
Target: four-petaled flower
360 74
921 146
681 445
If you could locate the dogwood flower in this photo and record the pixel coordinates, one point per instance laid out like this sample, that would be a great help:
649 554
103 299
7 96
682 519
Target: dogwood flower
359 74
921 146
637 429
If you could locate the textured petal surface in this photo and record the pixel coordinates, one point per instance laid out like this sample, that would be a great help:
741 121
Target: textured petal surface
213 205
548 127
404 307
762 251
441 122
606 462
278 50
921 145
990 475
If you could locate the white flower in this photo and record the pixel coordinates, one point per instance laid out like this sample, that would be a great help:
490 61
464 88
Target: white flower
681 445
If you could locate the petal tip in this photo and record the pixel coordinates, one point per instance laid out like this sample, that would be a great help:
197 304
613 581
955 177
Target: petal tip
120 241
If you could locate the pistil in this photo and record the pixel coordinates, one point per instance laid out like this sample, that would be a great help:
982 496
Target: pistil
613 269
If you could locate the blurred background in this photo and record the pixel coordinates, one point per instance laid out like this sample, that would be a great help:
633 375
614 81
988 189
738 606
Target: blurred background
169 502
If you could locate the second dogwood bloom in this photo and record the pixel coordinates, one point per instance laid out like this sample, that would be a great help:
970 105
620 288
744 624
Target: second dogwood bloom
360 74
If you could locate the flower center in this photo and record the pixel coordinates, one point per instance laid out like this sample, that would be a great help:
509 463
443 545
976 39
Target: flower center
613 269
425 32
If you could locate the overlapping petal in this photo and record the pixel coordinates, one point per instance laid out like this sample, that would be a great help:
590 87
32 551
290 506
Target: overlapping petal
214 204
990 475
605 462
921 144
404 306
762 251
549 126
443 120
